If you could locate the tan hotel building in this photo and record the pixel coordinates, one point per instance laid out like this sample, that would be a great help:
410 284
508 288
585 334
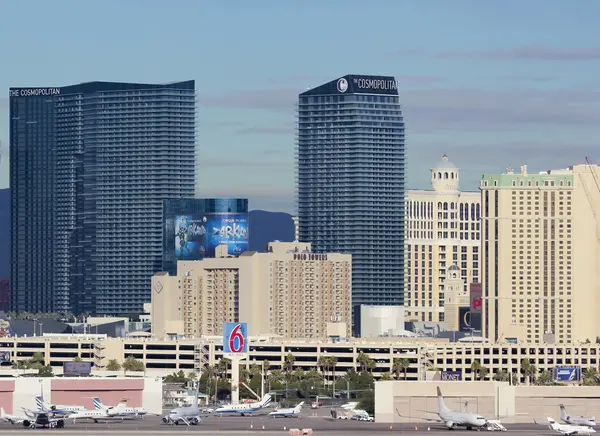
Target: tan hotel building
442 229
288 291
540 255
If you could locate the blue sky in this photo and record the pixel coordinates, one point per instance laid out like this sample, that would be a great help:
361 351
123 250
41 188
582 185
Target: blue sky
493 84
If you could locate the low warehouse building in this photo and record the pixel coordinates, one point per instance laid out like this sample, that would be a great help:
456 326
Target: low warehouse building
410 401
16 393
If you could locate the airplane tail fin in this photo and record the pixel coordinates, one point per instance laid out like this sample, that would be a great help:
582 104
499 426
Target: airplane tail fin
195 399
441 405
563 412
298 408
98 404
41 405
552 423
2 412
265 400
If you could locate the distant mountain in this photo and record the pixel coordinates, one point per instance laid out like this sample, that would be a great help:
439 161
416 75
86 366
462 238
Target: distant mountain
267 227
4 233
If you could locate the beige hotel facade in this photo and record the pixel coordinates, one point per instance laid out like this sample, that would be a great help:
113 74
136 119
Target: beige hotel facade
540 255
288 292
442 230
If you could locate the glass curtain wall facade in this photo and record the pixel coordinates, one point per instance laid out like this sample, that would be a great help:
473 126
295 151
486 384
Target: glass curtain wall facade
350 181
90 167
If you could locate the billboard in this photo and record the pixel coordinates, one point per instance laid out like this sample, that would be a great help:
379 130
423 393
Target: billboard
198 235
451 375
4 357
476 305
567 373
77 368
464 319
235 338
230 229
190 237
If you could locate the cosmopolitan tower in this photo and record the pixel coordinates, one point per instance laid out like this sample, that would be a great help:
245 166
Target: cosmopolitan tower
350 181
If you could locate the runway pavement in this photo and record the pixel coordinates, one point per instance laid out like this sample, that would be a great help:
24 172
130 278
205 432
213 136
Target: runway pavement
237 425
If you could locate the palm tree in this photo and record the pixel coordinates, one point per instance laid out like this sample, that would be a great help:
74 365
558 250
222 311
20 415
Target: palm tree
483 372
363 361
289 362
545 379
332 364
400 364
475 368
113 365
528 370
386 376
590 377
502 376
323 363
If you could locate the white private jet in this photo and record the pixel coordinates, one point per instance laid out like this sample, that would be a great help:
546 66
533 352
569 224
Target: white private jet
120 410
56 409
349 406
32 419
568 429
245 409
287 413
453 419
576 420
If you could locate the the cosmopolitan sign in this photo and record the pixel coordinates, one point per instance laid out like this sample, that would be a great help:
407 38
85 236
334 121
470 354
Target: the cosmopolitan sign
376 84
33 92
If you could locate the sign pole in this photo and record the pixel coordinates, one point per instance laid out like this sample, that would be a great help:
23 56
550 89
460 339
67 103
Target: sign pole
235 379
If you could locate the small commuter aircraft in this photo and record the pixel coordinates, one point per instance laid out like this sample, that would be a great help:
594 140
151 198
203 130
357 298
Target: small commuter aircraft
245 409
288 413
56 409
121 409
568 429
576 420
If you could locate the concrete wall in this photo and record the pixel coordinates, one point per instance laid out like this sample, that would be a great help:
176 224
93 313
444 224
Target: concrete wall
140 392
400 401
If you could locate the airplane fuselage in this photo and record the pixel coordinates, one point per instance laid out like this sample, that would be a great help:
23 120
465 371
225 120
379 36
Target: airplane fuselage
462 419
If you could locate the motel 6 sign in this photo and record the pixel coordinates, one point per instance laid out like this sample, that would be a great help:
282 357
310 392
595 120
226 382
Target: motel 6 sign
235 338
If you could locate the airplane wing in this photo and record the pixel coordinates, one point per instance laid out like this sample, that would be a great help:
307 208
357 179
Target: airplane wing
424 419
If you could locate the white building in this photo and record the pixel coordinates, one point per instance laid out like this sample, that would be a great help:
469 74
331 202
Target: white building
442 229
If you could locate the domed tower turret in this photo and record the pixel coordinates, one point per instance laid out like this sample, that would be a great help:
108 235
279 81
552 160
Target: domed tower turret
444 176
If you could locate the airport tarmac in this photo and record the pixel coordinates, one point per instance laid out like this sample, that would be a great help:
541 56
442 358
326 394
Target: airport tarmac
238 425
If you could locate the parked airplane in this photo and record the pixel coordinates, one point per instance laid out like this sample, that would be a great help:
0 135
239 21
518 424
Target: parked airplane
576 420
453 419
32 419
245 409
287 413
568 429
121 409
56 409
95 415
187 414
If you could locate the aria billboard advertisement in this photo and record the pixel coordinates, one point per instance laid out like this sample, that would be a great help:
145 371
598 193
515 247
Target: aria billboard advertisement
198 235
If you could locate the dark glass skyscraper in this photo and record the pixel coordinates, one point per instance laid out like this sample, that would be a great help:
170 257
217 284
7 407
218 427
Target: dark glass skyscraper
350 181
90 166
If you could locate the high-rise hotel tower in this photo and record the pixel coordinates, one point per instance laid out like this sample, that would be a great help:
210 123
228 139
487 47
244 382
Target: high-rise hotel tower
90 166
350 181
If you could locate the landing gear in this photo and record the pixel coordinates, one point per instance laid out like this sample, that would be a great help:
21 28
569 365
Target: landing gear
469 428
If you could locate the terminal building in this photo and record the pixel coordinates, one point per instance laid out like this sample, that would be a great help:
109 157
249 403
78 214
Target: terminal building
289 291
442 231
540 255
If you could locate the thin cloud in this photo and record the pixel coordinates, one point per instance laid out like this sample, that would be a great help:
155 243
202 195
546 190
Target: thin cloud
257 130
456 110
528 52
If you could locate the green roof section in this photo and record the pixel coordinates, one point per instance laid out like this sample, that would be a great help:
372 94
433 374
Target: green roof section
529 180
